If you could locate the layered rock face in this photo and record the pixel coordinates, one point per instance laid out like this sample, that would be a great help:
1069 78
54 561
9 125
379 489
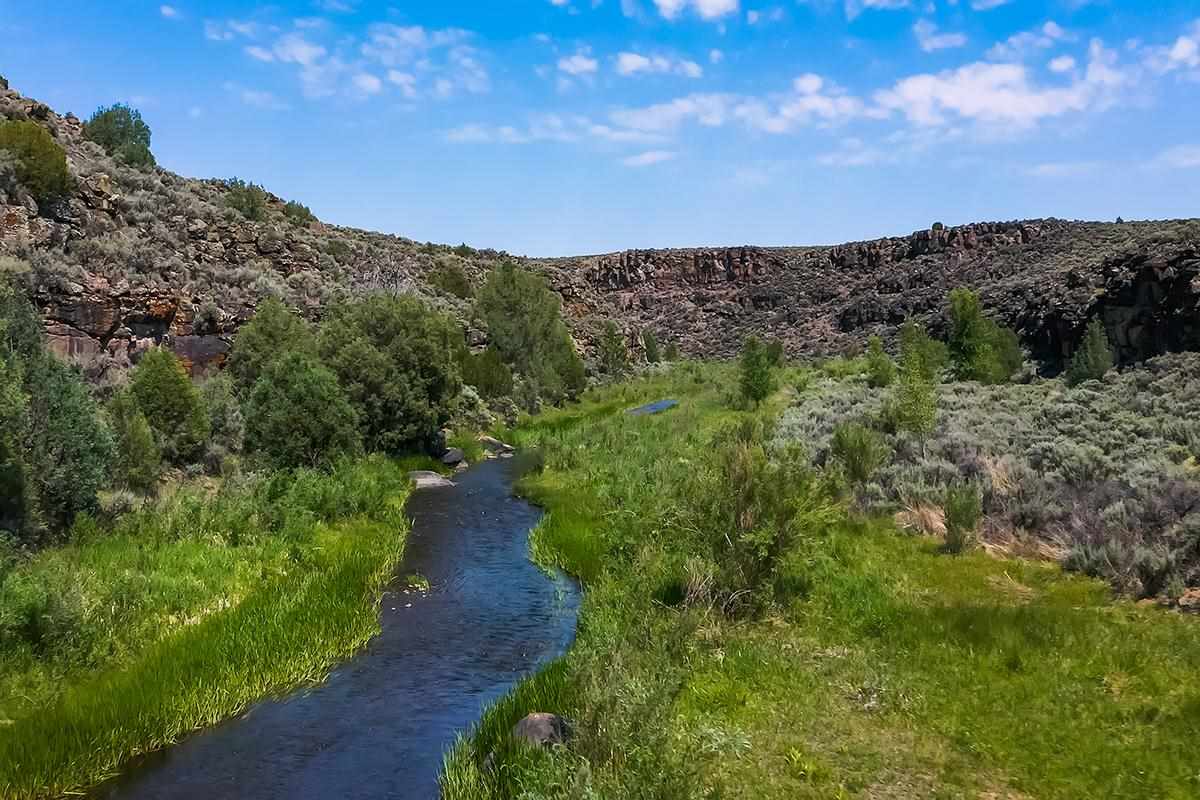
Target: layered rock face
133 259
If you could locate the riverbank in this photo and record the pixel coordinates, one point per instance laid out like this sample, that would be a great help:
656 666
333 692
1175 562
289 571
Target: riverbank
743 637
186 612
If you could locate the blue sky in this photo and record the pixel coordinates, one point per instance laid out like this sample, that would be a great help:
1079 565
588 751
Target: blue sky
555 127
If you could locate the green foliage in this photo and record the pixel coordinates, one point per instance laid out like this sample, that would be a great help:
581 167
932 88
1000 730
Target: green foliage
122 132
860 450
487 372
138 458
756 380
172 405
248 199
671 353
227 426
273 334
464 251
964 509
298 415
41 165
916 394
15 502
395 358
929 352
881 370
650 344
1093 358
776 353
614 355
298 214
451 278
523 316
980 350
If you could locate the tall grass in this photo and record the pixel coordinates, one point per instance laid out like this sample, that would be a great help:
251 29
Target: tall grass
191 611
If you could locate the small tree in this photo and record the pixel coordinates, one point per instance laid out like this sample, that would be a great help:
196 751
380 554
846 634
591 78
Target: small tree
248 199
487 372
1093 358
298 415
964 509
122 132
671 354
881 370
916 394
41 165
298 214
650 344
138 457
757 383
980 350
172 405
614 356
860 450
273 334
450 277
226 424
775 352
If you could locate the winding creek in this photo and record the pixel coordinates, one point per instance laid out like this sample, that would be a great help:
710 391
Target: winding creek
378 727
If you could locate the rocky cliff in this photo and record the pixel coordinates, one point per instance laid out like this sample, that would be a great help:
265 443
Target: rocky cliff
134 258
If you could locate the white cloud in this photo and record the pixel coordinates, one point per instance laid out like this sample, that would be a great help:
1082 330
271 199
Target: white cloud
1062 64
988 5
295 49
852 153
775 14
578 64
854 8
1183 54
230 29
367 83
931 41
1181 157
650 158
628 64
170 12
1063 169
715 56
1021 45
707 9
257 98
552 127
260 53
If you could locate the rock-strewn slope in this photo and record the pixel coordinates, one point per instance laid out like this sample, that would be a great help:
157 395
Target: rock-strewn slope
133 258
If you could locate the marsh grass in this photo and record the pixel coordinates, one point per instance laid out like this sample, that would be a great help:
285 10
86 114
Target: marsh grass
186 613
884 669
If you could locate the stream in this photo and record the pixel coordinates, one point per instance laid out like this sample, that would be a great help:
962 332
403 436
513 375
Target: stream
378 727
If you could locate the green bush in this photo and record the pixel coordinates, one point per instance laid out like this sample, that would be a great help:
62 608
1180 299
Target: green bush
671 354
932 354
614 355
756 380
299 416
1093 358
450 277
121 131
860 450
248 199
776 353
138 457
172 405
915 404
395 358
964 510
523 316
41 165
650 345
487 372
464 250
980 350
272 335
881 370
298 214
227 427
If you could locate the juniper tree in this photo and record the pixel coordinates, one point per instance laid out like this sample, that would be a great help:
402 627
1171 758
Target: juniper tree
1093 358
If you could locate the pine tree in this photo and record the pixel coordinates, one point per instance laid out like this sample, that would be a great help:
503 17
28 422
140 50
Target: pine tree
881 370
756 379
1094 356
916 394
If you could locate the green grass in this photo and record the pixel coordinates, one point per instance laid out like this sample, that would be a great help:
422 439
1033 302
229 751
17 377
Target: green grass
882 667
188 612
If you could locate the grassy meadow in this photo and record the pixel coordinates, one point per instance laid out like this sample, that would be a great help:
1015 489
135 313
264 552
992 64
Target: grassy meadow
751 629
185 612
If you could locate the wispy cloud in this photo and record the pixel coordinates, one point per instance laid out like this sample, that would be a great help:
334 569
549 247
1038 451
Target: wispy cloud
650 158
931 40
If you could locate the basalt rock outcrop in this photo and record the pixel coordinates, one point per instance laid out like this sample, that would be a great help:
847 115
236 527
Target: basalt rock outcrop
132 259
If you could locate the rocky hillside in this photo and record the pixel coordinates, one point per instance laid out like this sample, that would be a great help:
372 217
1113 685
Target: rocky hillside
138 257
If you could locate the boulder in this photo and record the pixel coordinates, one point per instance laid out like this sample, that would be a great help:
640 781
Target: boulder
494 445
542 730
424 479
453 456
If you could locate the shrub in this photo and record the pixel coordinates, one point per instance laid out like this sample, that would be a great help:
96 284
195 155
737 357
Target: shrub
524 321
1093 358
487 372
915 408
860 450
227 427
298 214
464 251
450 277
273 334
121 131
671 354
933 355
41 165
964 509
980 350
881 370
775 352
298 415
395 357
138 457
650 345
614 356
757 383
172 405
248 199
